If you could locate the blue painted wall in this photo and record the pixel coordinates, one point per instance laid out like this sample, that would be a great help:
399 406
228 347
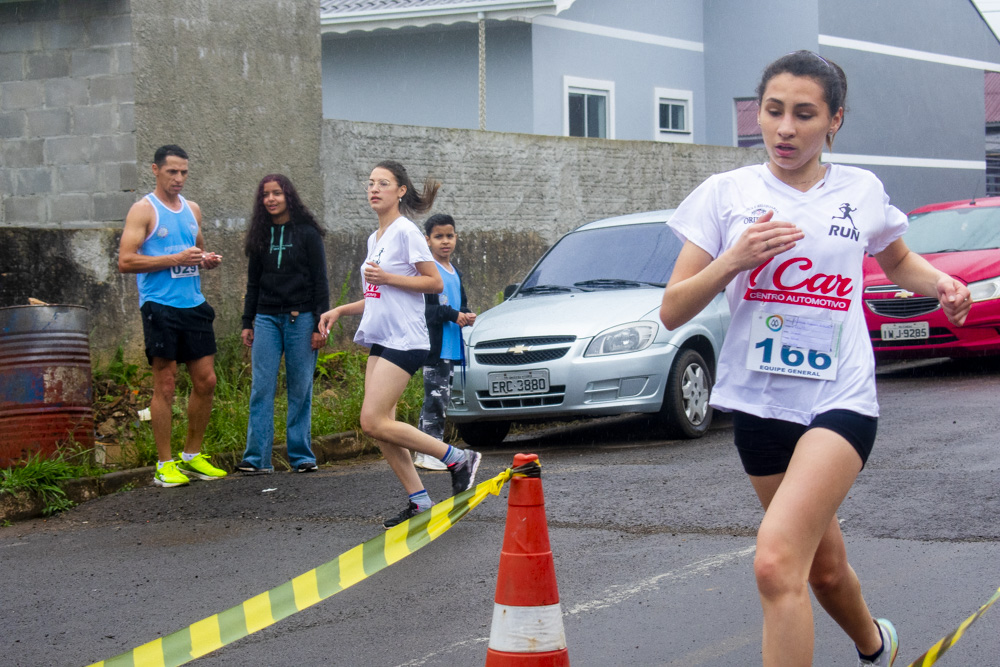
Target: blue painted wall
430 77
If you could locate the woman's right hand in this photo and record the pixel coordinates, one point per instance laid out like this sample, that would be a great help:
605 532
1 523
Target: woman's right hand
762 241
247 336
327 320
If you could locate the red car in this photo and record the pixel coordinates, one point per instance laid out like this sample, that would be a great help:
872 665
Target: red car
962 239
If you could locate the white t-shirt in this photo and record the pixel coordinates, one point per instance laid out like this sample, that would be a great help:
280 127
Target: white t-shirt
808 298
394 317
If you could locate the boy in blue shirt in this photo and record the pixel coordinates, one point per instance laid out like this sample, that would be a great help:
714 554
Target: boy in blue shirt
444 325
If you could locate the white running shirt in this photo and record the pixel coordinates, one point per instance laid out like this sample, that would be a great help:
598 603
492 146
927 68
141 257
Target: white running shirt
808 298
394 317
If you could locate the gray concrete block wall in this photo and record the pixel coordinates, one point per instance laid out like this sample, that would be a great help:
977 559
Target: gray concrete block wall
512 195
66 113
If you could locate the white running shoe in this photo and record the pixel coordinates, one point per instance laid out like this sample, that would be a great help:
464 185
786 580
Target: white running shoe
890 645
426 462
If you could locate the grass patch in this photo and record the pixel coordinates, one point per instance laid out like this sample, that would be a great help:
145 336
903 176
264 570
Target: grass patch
121 390
44 476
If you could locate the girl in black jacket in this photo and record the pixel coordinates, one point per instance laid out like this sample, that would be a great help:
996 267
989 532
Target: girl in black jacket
287 291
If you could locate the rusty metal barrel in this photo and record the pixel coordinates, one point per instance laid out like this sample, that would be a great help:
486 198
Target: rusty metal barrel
46 381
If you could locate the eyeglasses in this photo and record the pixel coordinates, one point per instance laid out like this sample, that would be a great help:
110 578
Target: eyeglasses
381 185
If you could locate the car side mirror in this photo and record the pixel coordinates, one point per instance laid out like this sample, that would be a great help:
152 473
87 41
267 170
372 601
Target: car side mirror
509 290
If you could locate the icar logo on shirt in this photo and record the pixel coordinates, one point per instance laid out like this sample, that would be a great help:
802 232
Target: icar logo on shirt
794 282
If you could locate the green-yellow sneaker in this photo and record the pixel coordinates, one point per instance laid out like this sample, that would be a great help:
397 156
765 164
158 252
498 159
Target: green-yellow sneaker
201 468
169 475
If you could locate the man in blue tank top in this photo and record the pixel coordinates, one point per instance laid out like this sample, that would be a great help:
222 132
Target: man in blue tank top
162 244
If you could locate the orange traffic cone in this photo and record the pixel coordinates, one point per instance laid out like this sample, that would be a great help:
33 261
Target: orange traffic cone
527 628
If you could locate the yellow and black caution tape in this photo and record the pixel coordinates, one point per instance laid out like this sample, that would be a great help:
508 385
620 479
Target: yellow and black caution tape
307 589
935 652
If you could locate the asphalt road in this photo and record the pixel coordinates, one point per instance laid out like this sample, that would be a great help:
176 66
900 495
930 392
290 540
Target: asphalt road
653 545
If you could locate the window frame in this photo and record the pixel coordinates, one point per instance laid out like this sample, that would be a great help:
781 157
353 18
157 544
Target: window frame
736 123
685 97
575 84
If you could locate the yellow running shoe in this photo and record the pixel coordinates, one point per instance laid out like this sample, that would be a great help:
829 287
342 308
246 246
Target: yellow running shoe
200 467
169 475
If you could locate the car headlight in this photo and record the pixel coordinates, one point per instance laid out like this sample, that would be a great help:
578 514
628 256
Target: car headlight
984 290
622 339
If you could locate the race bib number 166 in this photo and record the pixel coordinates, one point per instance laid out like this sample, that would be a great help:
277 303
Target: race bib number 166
791 345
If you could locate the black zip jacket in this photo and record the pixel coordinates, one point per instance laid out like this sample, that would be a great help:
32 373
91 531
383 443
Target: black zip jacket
289 276
436 315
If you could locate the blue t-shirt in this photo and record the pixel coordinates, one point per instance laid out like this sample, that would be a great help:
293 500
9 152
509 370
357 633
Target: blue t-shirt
173 231
451 335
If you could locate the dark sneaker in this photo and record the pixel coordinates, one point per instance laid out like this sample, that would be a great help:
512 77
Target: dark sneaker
463 475
411 511
248 468
308 466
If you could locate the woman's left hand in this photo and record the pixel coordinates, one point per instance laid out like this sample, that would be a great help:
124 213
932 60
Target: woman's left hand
318 340
954 298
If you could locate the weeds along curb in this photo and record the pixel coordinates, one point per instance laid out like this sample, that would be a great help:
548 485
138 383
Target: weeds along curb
21 506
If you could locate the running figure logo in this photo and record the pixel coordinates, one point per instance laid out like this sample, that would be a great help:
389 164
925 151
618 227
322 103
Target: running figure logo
845 210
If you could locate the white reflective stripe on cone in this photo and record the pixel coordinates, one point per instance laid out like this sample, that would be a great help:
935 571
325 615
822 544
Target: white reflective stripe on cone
527 629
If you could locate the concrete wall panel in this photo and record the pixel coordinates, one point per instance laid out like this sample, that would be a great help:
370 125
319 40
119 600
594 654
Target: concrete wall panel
512 195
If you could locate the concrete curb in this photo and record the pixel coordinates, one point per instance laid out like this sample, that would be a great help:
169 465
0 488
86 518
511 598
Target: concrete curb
21 506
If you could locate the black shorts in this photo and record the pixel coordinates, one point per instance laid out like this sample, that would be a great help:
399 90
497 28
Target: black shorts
766 445
178 334
409 360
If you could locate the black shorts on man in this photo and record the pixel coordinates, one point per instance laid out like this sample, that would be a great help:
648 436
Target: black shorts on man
178 334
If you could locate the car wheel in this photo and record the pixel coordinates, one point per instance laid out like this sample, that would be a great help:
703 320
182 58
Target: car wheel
483 434
685 412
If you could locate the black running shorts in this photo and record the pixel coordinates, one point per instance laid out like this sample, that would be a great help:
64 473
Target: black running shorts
766 445
409 360
178 334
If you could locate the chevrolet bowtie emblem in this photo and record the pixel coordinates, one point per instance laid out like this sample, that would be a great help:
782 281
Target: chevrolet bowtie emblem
902 294
518 349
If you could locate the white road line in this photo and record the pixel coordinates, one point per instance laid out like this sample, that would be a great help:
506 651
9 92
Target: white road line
618 594
615 595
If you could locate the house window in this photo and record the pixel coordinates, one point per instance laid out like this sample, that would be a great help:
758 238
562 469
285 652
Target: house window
747 129
590 108
673 115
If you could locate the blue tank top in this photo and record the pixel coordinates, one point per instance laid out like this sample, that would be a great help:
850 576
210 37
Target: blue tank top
173 231
451 334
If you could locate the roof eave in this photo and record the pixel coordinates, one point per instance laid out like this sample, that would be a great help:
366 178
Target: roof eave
418 17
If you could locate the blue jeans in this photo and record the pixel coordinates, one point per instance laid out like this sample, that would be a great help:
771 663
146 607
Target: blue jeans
272 336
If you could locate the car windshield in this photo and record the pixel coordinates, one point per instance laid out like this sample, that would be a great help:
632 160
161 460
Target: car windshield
622 257
954 230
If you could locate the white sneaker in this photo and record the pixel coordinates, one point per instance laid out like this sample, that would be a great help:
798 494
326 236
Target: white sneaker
890 645
428 462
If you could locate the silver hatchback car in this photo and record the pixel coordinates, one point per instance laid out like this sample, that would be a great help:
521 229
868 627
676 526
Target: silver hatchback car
581 337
